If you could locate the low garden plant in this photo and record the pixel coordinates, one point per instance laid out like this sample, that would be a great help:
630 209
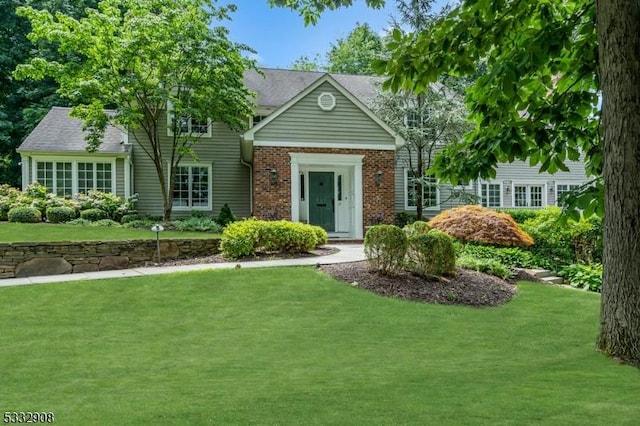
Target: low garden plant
488 266
588 277
430 254
385 247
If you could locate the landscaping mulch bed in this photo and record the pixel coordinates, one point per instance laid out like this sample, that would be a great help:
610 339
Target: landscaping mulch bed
217 258
465 288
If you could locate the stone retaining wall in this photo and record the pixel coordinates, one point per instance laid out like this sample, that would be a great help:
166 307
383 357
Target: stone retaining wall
31 259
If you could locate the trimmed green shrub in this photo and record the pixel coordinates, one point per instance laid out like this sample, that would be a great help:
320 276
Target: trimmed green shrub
93 214
321 235
225 216
24 215
248 237
417 227
510 256
114 205
197 224
385 247
487 266
106 223
60 214
431 254
584 276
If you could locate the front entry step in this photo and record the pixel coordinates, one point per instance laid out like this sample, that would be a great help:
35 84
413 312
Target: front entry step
546 276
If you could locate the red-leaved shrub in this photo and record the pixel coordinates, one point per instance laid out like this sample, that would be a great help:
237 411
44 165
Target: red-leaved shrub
480 224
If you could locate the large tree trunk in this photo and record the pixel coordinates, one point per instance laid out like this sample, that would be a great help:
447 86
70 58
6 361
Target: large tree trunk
618 24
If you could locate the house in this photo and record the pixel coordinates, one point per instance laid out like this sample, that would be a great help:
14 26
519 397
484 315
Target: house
313 152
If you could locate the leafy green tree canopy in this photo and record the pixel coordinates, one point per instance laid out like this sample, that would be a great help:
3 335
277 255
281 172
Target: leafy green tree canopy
138 57
355 53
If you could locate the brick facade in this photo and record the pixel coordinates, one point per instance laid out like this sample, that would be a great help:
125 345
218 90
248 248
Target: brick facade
272 200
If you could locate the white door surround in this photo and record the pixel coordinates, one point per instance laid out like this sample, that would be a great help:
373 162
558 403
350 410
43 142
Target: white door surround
349 204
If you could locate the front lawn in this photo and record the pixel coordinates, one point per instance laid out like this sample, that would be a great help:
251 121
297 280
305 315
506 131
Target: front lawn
40 232
293 346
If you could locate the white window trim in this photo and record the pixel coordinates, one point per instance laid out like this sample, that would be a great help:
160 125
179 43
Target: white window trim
479 193
545 189
568 183
74 169
209 206
170 117
406 195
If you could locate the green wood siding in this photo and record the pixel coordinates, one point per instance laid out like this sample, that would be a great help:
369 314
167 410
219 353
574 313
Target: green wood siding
306 122
230 179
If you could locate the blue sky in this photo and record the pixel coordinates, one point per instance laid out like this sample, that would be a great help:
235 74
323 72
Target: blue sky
280 37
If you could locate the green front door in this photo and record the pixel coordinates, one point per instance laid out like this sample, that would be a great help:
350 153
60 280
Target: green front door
321 201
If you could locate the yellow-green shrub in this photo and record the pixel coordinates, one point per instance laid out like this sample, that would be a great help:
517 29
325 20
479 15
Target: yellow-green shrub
417 227
480 224
24 215
385 247
248 237
431 254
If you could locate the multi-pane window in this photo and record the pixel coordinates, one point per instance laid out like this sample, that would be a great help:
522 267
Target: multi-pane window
490 195
189 125
57 176
562 190
191 187
96 176
430 190
527 195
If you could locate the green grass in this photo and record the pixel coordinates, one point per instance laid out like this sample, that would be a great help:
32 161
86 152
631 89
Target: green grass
294 347
40 232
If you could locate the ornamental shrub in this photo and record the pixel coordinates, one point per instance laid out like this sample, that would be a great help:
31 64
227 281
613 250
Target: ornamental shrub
130 218
197 224
60 214
417 227
431 254
8 197
584 276
403 219
480 224
113 205
93 214
385 247
521 215
251 236
321 235
79 222
106 223
24 215
225 216
139 224
510 256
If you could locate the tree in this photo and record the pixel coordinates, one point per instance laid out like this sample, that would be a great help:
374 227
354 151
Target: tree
538 100
355 53
427 122
22 105
304 63
142 57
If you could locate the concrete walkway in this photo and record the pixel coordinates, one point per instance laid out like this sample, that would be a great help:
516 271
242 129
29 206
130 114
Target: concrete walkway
347 253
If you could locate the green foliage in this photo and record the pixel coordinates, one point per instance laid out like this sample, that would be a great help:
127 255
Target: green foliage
24 215
130 218
564 242
113 205
198 224
511 256
355 53
584 276
385 247
163 52
321 235
403 218
251 236
311 10
487 266
417 227
520 216
225 216
138 224
60 214
8 197
93 215
431 254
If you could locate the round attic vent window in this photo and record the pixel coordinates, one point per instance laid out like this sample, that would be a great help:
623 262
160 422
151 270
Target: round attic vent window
326 101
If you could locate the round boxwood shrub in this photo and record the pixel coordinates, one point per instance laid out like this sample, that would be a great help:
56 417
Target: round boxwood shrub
93 214
385 247
60 214
431 254
24 215
417 227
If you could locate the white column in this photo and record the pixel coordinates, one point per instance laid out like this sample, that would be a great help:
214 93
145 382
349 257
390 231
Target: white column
295 190
358 200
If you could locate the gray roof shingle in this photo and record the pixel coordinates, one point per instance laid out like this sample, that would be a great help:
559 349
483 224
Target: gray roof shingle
58 132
